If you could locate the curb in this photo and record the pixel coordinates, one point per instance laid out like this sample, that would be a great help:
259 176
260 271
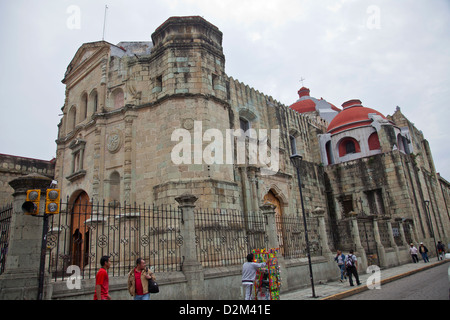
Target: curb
357 290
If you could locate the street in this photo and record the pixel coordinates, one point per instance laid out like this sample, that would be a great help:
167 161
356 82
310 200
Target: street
431 284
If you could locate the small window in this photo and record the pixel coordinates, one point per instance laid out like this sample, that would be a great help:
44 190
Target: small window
350 147
293 145
245 124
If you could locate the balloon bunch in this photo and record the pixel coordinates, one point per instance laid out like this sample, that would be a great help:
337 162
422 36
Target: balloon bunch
268 277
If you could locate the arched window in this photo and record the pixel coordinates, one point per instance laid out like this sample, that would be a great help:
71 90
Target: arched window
330 158
114 187
293 144
244 124
348 146
374 142
71 119
84 105
93 102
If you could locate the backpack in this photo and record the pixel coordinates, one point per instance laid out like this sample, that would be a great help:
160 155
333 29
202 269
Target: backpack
349 262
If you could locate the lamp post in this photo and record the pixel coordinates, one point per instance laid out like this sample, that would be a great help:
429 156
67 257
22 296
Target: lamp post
427 202
297 161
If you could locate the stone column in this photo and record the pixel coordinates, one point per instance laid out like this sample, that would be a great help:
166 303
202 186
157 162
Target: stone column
20 280
380 248
392 241
357 241
320 214
268 210
401 230
191 268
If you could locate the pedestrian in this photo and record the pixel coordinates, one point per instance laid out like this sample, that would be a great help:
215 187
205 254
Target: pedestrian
423 251
340 258
102 280
413 253
441 250
249 274
351 265
138 279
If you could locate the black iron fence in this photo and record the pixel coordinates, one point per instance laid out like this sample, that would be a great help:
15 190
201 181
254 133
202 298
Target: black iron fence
84 232
291 236
5 221
225 237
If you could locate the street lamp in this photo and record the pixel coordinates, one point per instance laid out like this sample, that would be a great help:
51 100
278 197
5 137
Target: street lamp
427 202
297 162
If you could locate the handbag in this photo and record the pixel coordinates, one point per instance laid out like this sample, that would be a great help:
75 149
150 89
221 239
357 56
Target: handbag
153 286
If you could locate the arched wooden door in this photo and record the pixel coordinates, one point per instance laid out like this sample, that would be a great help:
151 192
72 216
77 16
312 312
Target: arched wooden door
271 198
80 233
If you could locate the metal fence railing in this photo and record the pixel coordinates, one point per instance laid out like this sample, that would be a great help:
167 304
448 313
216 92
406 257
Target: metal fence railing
5 221
225 237
85 232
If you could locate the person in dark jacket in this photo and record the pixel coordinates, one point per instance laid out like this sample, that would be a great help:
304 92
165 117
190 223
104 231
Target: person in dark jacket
424 252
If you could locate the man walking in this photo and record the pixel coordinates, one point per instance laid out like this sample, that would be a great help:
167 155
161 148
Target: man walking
351 265
413 253
424 252
249 274
138 281
102 280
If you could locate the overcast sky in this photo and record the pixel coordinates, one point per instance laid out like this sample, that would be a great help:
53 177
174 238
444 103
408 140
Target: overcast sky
385 53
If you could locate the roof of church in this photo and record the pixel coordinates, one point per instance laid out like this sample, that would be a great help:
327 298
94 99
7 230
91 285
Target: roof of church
354 115
306 103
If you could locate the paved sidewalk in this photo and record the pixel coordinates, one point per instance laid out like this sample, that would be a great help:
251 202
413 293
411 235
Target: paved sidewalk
336 290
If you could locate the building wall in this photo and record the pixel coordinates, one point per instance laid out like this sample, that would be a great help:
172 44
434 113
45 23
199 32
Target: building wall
12 167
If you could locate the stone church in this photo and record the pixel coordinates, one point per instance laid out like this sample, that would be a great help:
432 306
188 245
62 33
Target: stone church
147 122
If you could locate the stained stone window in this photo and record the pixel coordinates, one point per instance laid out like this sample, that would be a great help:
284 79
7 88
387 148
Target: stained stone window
77 171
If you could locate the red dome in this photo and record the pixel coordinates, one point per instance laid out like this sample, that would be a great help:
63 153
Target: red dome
307 103
354 115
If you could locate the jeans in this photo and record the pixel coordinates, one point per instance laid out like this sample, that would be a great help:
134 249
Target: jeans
342 268
142 297
425 257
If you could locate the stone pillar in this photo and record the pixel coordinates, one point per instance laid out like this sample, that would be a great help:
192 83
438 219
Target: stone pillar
401 230
380 248
268 210
357 241
320 214
392 241
191 268
20 280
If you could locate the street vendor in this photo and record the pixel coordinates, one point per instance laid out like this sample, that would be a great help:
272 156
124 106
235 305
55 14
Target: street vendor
249 274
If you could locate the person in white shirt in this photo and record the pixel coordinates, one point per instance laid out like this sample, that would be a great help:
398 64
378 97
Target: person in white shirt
413 253
249 274
351 265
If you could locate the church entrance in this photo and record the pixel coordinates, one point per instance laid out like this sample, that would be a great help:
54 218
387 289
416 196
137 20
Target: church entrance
81 211
271 198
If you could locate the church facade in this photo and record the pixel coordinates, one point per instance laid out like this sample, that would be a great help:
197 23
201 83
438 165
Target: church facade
146 122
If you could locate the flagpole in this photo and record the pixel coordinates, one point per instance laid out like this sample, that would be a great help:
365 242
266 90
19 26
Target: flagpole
104 23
